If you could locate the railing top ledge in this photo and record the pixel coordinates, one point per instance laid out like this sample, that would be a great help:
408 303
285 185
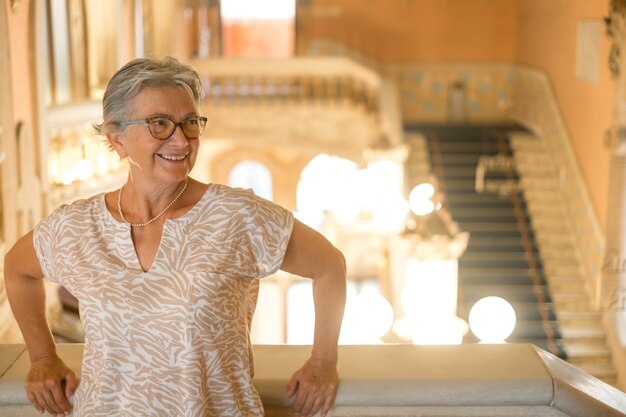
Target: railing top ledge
404 376
288 67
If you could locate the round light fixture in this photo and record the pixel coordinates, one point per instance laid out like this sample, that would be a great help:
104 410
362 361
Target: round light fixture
492 319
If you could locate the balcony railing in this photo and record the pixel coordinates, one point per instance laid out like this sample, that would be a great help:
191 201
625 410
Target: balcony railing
401 380
291 81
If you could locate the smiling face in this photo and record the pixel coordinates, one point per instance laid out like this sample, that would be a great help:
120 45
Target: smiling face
152 160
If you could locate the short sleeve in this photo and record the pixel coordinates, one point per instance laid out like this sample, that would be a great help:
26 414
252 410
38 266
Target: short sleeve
45 236
266 234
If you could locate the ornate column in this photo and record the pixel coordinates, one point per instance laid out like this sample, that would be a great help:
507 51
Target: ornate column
611 294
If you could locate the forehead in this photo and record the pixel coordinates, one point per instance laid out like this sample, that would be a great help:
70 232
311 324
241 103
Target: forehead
166 99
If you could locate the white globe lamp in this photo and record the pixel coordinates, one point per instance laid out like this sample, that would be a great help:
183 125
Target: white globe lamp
492 319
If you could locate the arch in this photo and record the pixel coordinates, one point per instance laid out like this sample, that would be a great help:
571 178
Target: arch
284 167
252 174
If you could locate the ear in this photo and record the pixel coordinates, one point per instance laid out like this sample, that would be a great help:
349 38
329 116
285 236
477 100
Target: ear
116 142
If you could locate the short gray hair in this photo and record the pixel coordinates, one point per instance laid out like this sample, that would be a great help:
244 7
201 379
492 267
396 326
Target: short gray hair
138 74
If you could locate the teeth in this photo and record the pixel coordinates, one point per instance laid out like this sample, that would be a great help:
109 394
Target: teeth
173 157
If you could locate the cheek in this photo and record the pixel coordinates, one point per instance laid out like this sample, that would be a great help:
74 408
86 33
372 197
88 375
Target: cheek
194 154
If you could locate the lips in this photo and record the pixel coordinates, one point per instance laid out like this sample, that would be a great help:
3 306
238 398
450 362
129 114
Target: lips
172 157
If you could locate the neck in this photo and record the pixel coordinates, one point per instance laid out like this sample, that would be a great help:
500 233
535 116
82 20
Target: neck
149 213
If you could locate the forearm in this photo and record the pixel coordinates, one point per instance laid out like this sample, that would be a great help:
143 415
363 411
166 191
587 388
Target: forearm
329 294
27 299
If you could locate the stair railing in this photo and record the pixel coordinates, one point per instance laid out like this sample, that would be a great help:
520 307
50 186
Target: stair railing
528 250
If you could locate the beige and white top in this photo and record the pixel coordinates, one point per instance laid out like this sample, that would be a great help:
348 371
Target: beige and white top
173 341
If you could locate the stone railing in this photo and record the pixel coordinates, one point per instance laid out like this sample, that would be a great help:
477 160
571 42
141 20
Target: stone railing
313 104
400 380
535 106
295 80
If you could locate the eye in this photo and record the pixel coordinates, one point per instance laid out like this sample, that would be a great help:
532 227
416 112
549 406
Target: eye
160 122
192 121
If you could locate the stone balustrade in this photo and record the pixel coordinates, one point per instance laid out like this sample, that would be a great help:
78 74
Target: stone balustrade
401 380
300 80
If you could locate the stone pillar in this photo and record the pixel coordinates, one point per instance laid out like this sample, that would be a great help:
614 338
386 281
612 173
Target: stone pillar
611 294
612 286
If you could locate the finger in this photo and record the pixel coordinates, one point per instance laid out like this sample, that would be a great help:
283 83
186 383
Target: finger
313 405
60 399
301 399
51 405
33 400
43 403
70 384
292 386
330 399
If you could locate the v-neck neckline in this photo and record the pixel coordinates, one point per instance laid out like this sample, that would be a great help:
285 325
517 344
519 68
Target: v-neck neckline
187 216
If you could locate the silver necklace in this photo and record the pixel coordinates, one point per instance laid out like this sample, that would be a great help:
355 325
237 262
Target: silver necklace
119 207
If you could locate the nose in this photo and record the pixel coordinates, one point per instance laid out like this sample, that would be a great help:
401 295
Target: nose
178 135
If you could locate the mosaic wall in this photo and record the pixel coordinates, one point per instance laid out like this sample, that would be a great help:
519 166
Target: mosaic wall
430 93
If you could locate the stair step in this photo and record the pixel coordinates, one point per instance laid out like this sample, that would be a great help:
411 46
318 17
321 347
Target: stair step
533 329
553 239
472 199
582 332
559 256
490 257
459 172
466 148
494 241
541 184
546 210
483 227
526 167
533 160
499 272
508 292
503 280
543 196
570 286
580 315
456 159
566 302
563 270
547 224
586 349
527 145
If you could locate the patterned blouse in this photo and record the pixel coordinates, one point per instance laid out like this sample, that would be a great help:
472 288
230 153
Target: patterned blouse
172 341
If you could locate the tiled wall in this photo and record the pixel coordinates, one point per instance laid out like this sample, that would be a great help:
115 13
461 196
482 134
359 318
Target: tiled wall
426 91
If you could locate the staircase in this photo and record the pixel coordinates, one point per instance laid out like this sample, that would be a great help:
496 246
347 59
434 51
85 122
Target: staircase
520 246
584 339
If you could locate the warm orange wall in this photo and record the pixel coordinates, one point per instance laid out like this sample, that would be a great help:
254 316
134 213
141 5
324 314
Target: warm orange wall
547 40
415 31
268 38
19 57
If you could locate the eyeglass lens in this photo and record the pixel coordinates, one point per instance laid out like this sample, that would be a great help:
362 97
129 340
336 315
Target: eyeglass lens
162 128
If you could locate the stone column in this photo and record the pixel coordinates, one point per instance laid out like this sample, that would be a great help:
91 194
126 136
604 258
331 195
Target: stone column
612 287
611 295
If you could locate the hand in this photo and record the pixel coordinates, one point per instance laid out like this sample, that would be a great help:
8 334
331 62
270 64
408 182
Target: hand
49 385
315 387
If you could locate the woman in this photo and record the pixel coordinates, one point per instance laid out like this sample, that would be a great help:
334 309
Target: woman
164 269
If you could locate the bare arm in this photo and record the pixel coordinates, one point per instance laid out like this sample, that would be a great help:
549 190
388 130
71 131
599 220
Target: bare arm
49 382
309 254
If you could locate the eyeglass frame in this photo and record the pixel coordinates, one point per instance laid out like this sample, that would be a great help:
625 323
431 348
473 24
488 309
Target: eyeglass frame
147 121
